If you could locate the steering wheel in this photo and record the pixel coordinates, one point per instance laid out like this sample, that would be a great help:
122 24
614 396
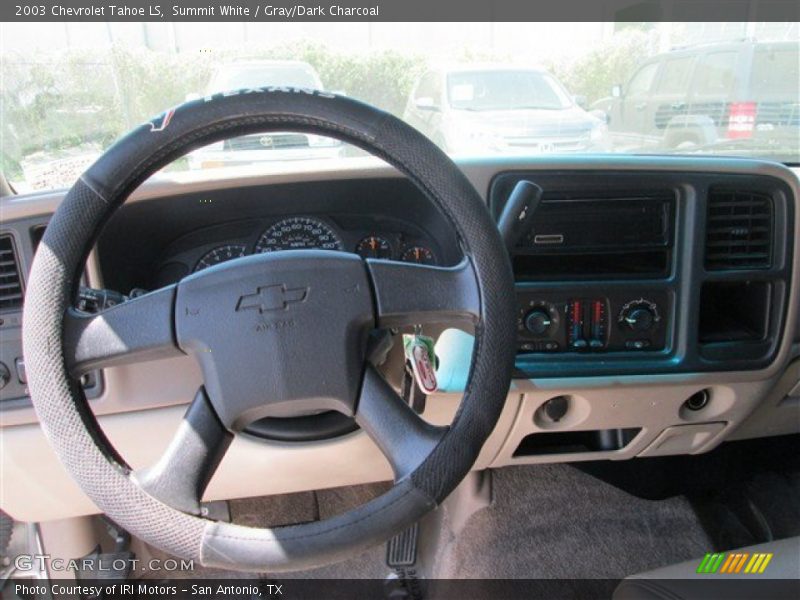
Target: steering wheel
275 334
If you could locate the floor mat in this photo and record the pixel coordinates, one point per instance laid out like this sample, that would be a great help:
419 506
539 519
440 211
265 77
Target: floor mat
554 521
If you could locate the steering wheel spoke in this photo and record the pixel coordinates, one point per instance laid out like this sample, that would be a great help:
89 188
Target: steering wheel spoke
400 433
138 330
180 477
411 294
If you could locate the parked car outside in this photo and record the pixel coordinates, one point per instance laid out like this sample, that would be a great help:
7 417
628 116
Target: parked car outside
272 146
737 94
501 109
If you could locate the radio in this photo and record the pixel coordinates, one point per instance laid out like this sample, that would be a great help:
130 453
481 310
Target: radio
588 320
575 237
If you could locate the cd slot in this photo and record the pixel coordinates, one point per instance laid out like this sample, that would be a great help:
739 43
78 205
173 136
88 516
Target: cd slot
547 239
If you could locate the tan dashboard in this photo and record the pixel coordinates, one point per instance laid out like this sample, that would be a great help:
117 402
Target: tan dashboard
617 402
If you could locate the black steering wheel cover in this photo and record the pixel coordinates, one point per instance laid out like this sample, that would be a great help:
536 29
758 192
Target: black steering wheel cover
70 425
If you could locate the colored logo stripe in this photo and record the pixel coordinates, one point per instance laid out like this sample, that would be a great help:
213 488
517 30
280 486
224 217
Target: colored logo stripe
710 563
734 562
729 563
758 563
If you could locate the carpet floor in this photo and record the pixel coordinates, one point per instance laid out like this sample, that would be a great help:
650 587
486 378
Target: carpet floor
544 522
554 521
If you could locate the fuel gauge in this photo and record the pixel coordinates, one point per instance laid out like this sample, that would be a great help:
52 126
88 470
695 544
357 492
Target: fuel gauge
374 246
418 254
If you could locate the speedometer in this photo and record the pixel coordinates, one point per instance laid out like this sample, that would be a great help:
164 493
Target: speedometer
298 233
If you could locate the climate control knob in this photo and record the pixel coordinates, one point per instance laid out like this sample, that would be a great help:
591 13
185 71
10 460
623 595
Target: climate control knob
538 321
640 319
640 315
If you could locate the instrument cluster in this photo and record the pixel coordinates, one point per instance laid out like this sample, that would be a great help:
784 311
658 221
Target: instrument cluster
307 232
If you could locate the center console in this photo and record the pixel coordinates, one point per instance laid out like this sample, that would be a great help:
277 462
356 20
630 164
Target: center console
624 273
612 236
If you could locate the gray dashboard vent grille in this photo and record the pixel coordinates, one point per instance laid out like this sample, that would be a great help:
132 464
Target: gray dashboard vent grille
738 230
10 282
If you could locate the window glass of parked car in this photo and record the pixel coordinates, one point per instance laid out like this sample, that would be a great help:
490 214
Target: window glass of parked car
715 73
675 74
504 90
642 82
776 71
428 90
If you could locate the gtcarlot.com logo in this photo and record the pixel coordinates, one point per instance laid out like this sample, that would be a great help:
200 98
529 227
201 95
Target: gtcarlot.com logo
31 562
732 563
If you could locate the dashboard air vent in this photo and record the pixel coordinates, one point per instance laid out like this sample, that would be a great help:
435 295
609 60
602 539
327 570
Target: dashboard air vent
10 283
738 230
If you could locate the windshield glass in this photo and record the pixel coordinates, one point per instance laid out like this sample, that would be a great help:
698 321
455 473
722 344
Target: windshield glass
504 90
475 89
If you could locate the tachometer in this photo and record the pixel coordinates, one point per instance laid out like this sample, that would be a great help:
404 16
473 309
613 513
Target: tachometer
374 246
220 255
298 233
418 254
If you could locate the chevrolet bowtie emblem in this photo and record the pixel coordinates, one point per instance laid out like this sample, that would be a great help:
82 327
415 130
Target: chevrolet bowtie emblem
272 297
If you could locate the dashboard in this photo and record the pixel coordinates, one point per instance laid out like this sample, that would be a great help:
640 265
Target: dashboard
657 297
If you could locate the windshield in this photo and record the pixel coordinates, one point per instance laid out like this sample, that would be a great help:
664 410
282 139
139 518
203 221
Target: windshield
504 90
69 90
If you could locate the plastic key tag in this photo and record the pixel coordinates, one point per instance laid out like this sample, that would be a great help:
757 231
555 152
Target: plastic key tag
419 352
